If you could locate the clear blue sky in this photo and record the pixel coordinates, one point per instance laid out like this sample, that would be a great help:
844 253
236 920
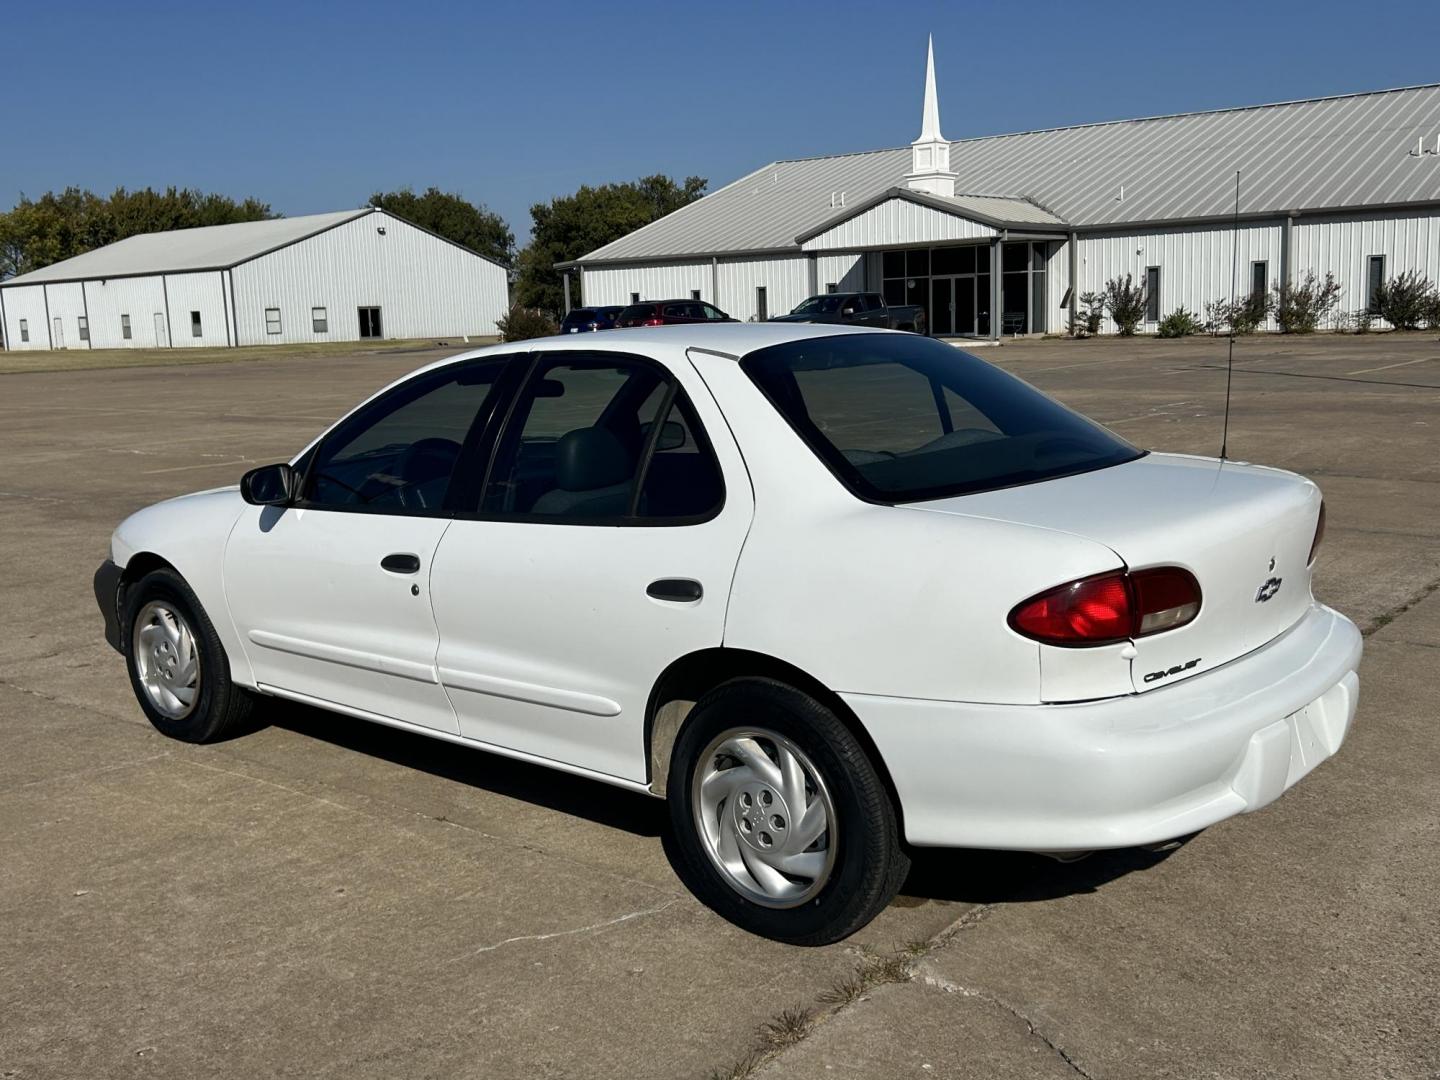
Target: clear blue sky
312 106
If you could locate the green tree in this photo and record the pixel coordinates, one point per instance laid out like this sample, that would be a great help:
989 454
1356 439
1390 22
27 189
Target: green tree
570 226
38 232
471 225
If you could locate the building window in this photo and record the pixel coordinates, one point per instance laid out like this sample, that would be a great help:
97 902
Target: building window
195 330
830 286
1259 278
319 320
24 329
694 294
369 322
125 327
272 320
634 297
1152 294
762 305
1375 278
84 328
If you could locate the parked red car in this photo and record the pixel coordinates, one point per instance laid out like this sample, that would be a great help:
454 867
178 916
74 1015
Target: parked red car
666 312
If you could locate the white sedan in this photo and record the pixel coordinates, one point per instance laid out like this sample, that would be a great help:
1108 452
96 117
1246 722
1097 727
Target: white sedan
829 593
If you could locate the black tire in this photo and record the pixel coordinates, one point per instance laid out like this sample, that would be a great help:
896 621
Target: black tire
221 708
869 863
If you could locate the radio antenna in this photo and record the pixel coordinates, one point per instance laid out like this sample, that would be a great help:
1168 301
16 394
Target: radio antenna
1234 270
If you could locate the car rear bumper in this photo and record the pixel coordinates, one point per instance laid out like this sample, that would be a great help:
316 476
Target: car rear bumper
1122 771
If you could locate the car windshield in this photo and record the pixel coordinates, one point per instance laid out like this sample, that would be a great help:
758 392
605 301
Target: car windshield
901 418
819 305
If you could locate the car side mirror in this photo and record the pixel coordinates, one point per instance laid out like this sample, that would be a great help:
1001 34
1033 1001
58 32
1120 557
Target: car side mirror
672 436
270 485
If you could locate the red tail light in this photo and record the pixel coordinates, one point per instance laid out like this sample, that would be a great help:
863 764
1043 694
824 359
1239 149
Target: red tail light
654 322
1110 608
1319 535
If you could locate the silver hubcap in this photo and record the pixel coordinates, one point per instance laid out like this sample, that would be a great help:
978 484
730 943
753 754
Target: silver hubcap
765 817
167 660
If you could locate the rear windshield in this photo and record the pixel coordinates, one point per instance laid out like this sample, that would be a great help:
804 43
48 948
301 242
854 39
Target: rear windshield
636 311
901 418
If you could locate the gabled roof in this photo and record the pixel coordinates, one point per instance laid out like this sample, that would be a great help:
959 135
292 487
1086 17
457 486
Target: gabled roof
210 247
1343 152
997 211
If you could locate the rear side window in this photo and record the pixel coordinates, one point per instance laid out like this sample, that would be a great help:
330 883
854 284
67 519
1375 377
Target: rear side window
636 311
602 439
903 419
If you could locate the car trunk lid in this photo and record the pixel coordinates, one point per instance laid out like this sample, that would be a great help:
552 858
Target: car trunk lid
1244 531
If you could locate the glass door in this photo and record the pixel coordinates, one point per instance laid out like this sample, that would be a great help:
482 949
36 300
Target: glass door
942 306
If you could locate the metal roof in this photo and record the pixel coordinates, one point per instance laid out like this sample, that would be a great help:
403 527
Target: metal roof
1325 153
210 247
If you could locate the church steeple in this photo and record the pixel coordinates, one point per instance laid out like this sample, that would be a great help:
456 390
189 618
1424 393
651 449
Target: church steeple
930 153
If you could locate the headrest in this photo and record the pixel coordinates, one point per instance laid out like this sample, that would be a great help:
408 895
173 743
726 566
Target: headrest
591 458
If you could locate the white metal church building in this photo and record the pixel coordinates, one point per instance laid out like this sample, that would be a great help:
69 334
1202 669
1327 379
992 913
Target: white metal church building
323 277
988 234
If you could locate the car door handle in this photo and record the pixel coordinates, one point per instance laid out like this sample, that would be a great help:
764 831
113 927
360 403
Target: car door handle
400 563
679 590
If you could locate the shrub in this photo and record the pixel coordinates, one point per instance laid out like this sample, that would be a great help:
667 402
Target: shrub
1180 323
1405 301
1358 321
1125 304
1432 312
520 323
1239 316
1088 313
1299 309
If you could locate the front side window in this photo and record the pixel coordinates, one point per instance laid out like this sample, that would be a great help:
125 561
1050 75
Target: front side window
272 320
714 314
905 418
596 438
398 454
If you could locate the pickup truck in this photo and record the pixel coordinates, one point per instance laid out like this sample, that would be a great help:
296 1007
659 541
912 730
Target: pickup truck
858 309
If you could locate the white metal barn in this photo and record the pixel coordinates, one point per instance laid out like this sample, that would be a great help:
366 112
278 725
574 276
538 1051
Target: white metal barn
989 234
324 277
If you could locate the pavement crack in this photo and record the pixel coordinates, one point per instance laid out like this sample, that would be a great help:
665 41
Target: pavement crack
574 931
950 987
1385 618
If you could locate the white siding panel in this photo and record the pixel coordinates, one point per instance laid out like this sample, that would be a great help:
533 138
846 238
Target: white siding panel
204 292
1343 247
784 281
67 303
424 286
1195 263
845 272
139 297
1057 282
26 302
667 281
895 222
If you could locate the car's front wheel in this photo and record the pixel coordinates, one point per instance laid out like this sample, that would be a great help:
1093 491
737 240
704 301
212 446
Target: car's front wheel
177 664
782 821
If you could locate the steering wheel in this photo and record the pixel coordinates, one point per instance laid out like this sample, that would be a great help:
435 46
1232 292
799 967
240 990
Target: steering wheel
422 461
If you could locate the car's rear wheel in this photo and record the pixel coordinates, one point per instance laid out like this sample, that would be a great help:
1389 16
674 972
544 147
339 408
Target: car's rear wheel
177 665
783 824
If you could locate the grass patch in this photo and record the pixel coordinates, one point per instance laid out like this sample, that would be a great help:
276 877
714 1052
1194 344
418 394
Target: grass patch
27 361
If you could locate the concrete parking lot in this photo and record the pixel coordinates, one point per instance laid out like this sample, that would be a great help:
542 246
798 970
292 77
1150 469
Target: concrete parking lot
323 898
